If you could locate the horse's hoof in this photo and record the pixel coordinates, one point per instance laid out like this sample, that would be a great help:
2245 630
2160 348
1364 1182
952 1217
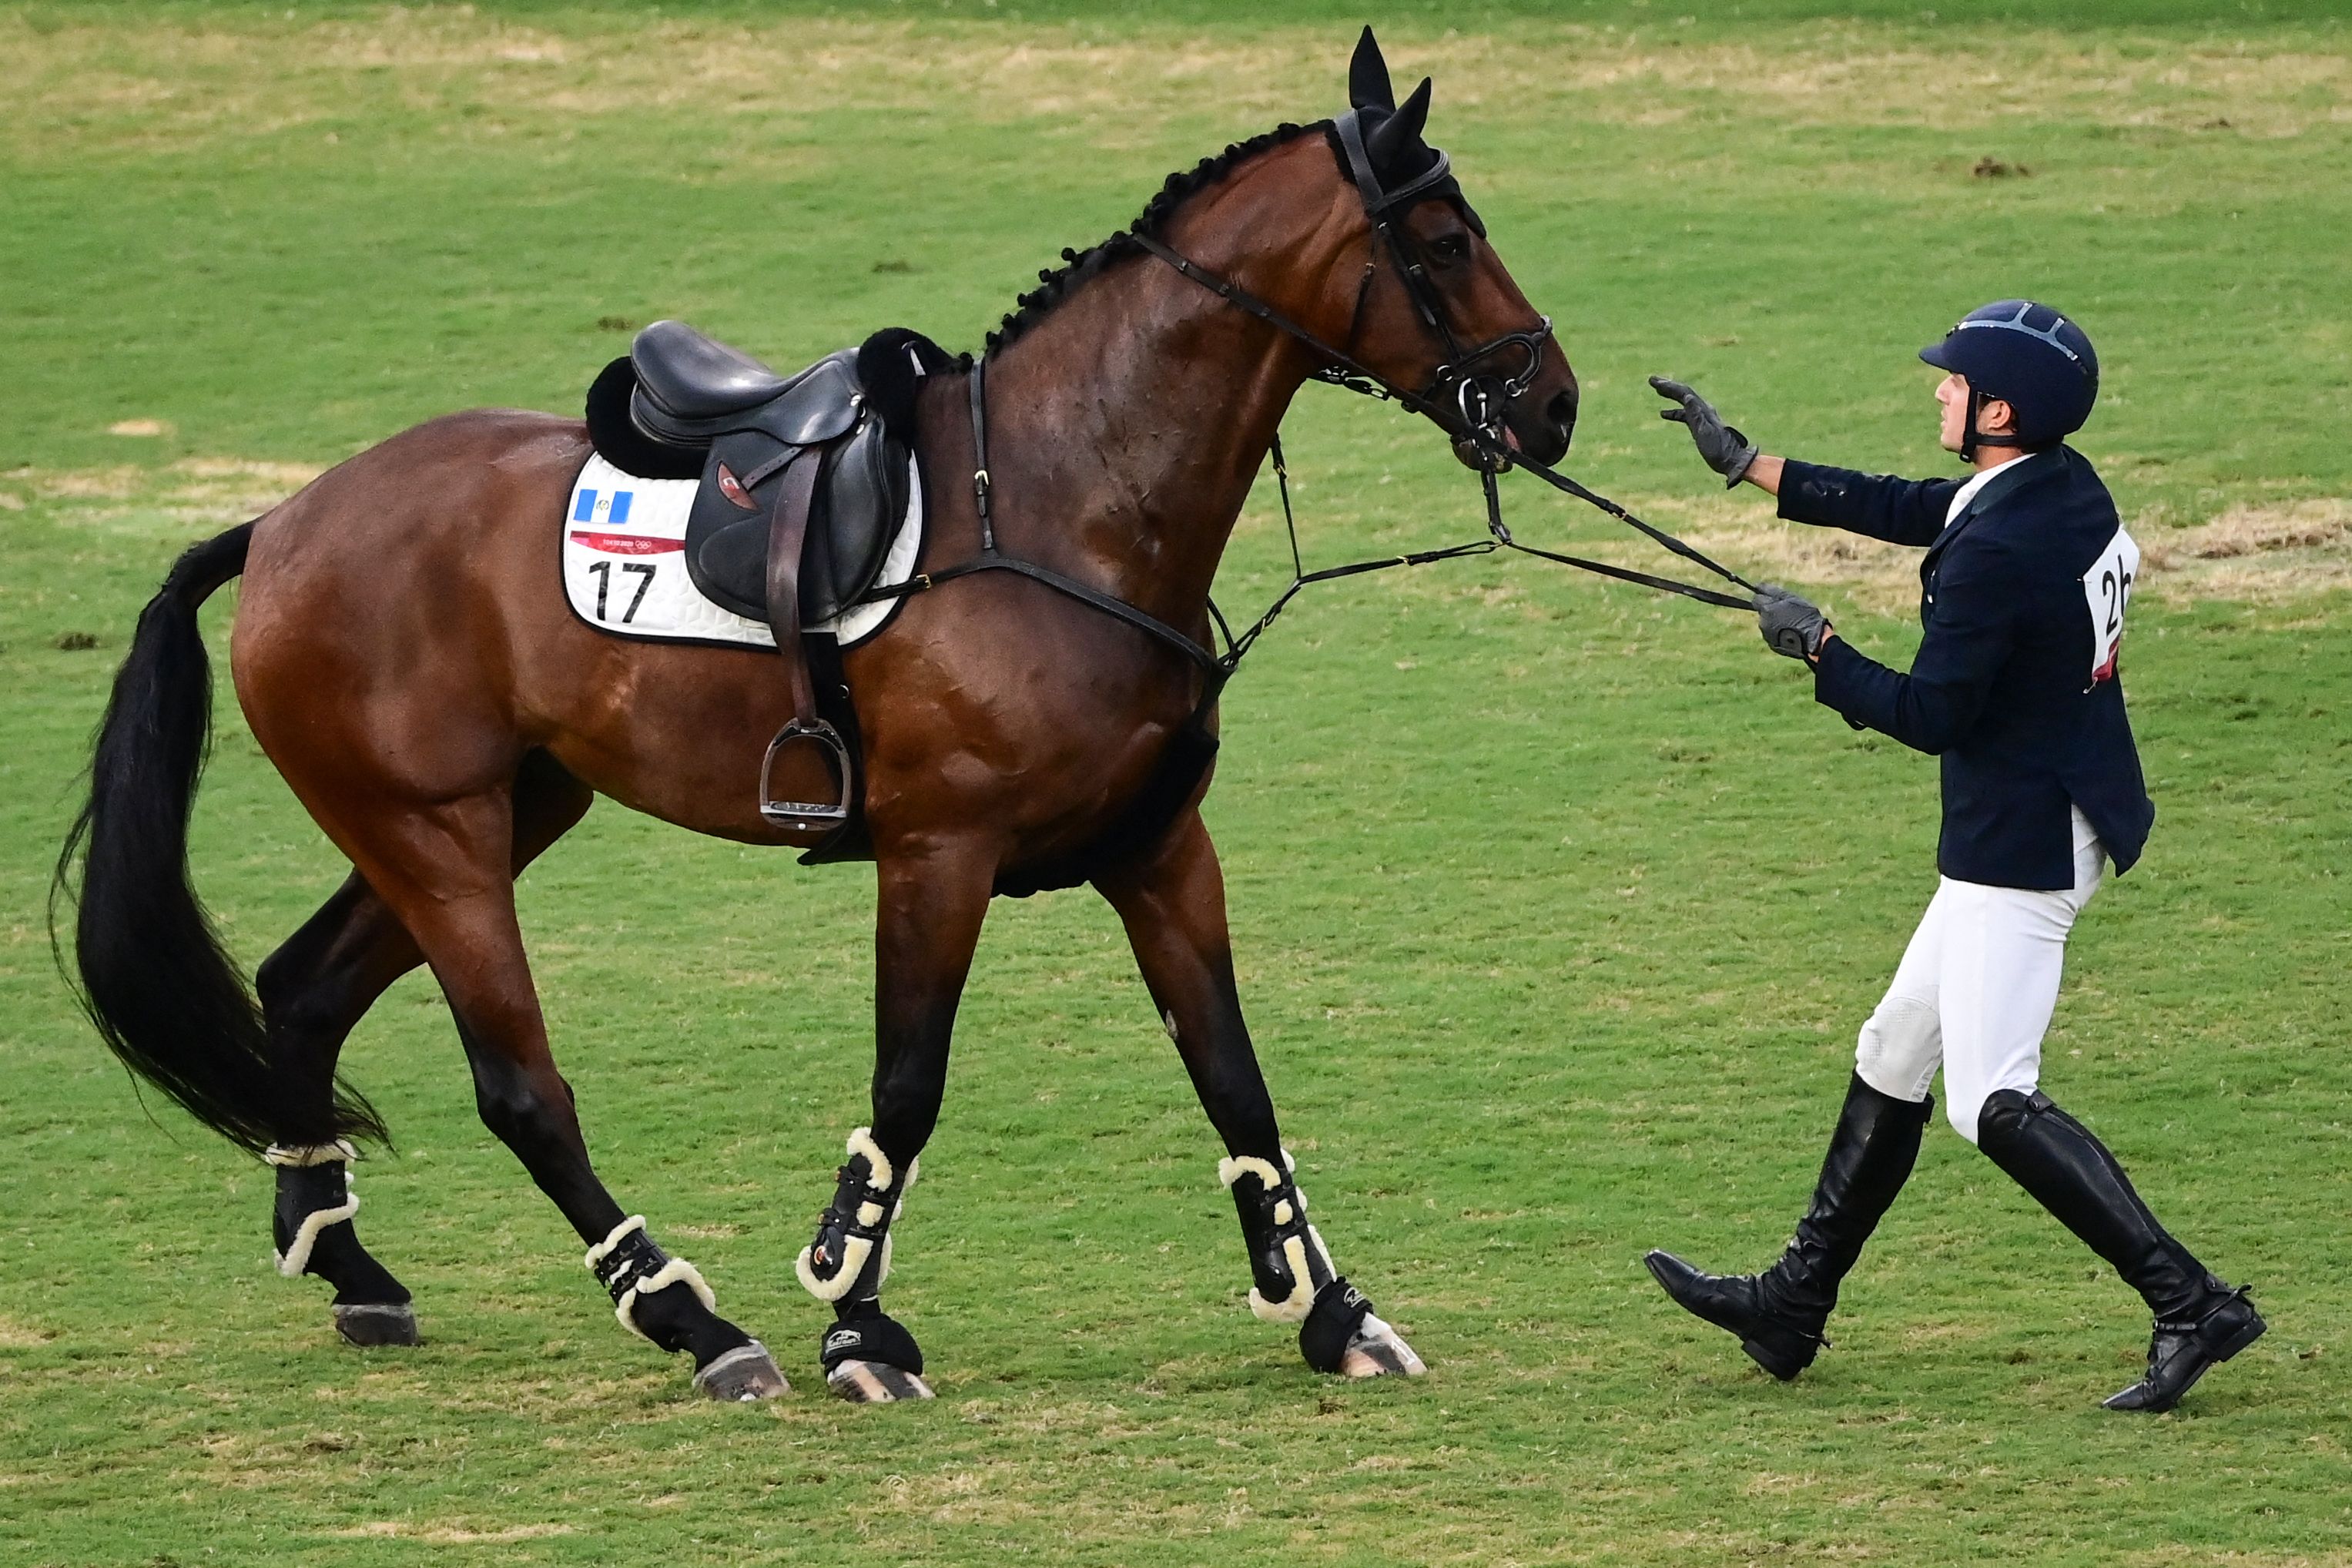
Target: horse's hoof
376 1323
745 1374
875 1383
1378 1351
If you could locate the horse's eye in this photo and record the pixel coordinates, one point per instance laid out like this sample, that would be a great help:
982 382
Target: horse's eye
1452 247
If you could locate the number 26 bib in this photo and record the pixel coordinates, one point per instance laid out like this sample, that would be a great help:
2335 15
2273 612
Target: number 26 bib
2106 591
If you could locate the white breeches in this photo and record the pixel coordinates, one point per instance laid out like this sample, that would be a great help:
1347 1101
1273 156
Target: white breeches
1975 989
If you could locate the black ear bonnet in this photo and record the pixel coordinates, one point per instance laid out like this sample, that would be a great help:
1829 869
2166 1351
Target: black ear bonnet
1380 147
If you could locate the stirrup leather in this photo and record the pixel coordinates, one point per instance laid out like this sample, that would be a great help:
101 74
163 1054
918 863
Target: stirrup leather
796 814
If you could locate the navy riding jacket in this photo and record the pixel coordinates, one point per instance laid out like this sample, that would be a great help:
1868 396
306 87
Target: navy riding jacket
2014 686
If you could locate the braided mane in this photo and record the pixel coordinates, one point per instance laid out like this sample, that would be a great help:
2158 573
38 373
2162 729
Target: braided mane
1057 284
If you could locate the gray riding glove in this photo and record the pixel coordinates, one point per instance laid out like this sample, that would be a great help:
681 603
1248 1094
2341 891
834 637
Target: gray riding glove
1721 446
1791 624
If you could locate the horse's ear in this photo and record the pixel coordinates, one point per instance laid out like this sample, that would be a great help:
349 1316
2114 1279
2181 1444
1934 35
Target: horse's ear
1368 76
1392 137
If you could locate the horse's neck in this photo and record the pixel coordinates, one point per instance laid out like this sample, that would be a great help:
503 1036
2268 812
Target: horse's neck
1125 431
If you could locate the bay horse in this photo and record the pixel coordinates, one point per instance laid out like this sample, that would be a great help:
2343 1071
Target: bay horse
404 656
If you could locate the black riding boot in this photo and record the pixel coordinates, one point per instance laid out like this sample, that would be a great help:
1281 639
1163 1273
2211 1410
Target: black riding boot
2199 1321
1779 1314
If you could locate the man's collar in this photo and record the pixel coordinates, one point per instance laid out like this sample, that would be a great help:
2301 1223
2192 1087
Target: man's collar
1977 483
1995 486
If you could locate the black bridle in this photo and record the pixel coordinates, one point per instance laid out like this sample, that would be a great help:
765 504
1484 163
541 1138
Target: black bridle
1458 397
1382 206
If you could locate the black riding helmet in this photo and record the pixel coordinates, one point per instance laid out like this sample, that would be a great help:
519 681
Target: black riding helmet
2032 357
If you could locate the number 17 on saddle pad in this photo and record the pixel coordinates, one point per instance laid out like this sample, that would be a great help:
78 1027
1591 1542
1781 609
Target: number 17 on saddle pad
623 552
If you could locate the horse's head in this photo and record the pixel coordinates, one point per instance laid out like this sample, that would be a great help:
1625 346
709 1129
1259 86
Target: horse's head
1433 309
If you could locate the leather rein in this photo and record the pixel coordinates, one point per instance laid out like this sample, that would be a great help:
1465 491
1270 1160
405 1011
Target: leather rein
1478 400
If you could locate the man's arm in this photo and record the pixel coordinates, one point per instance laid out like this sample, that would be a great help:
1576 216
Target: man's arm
1901 512
1877 506
1933 707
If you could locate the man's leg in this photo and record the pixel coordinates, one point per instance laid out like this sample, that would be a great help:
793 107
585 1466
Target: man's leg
2004 956
1780 1314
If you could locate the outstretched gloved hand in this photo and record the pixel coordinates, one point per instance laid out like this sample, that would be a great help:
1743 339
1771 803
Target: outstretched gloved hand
1720 445
1791 625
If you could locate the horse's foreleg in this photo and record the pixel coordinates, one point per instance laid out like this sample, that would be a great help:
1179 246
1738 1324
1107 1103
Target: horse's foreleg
445 870
930 913
1173 906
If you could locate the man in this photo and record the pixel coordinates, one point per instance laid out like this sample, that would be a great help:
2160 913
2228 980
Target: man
2023 591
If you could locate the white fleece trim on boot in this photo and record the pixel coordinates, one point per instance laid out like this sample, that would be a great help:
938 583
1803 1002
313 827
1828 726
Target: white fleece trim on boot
1233 1167
662 1279
856 1249
603 1249
301 1156
881 1171
1293 1308
296 1257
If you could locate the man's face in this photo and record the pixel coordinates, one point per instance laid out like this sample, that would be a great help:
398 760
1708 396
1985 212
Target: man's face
1952 396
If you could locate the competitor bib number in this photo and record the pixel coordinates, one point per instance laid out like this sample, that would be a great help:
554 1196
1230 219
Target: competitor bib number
2106 591
624 565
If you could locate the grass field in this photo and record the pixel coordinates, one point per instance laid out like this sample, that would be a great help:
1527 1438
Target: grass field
1557 905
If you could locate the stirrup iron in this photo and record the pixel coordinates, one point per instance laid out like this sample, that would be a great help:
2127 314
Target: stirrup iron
795 814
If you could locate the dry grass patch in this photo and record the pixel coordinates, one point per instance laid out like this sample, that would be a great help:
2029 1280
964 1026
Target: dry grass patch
2257 552
194 492
449 1534
2254 553
15 1335
181 86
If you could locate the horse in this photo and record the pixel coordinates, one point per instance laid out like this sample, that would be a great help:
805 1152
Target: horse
406 661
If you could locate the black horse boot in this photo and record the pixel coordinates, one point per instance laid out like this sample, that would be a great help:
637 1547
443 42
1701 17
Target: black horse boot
2199 1321
1781 1313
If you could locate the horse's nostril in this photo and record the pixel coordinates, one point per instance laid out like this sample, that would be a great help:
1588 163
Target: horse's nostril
1561 412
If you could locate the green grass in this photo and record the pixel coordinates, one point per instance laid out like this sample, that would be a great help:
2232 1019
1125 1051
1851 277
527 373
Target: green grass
1556 905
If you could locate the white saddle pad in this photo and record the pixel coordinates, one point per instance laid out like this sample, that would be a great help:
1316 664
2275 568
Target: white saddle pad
624 565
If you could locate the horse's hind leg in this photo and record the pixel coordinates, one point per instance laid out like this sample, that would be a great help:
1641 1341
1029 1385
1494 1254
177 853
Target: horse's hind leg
313 991
1173 906
443 869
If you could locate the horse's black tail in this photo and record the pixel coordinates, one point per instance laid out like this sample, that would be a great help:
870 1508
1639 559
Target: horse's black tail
153 977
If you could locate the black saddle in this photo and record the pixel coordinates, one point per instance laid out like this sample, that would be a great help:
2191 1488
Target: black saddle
690 376
682 405
804 483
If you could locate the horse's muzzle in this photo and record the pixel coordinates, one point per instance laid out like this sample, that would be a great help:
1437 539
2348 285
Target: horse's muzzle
1540 432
